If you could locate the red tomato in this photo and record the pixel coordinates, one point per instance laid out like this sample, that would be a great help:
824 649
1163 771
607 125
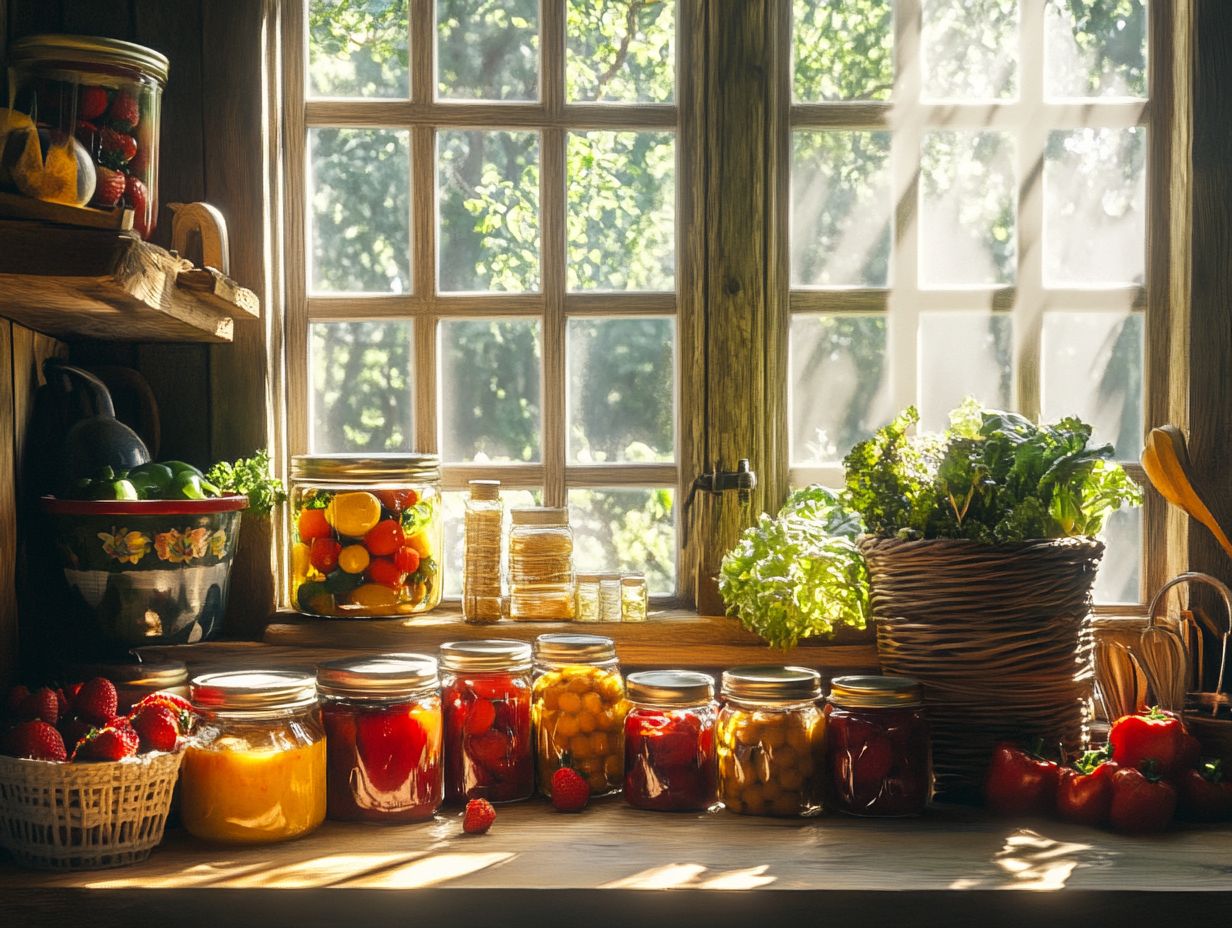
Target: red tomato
397 500
312 524
382 570
323 555
407 560
384 538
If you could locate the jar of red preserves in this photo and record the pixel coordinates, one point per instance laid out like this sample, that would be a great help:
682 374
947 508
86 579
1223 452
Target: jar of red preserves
878 756
485 688
383 737
669 741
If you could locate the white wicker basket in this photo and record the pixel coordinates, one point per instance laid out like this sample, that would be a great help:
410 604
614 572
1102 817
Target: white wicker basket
85 816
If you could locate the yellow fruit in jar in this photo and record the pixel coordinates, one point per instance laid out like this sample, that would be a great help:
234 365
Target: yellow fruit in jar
592 703
579 685
773 736
586 722
373 596
567 725
599 743
579 745
353 514
611 688
570 702
613 767
607 720
354 559
301 559
784 757
419 542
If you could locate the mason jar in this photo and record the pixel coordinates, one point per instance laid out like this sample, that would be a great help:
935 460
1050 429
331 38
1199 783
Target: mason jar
541 580
669 741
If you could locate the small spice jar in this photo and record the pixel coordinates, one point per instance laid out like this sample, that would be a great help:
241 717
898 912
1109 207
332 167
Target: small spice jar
878 757
669 741
541 585
383 725
481 560
254 772
771 745
633 599
486 691
366 534
609 597
578 707
588 597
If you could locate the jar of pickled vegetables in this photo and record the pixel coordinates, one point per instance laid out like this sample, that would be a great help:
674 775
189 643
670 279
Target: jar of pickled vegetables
878 757
669 741
254 771
771 744
486 687
366 534
578 706
383 737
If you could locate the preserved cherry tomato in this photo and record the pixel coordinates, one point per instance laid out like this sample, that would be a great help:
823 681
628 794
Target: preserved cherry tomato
397 500
407 560
382 570
354 559
421 545
384 538
324 554
313 524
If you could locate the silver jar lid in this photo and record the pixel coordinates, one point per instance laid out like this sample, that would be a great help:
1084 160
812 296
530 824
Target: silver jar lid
386 677
574 649
670 687
253 691
771 684
383 468
88 52
873 692
486 655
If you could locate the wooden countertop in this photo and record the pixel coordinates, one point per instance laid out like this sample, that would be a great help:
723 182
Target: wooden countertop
612 865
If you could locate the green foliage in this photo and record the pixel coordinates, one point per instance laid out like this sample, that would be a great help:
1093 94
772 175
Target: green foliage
254 478
620 50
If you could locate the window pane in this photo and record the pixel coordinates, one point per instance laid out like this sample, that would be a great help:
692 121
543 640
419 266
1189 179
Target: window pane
489 390
1118 580
361 386
487 50
621 390
967 205
622 211
455 529
1092 368
358 48
842 51
841 209
1095 207
360 187
984 343
1096 48
970 50
621 50
630 530
839 384
488 210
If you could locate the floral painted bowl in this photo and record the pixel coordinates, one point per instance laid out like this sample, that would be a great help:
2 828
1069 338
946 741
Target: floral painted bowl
147 572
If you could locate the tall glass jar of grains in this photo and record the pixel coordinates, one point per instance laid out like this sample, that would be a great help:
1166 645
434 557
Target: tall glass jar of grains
541 586
481 562
578 706
771 741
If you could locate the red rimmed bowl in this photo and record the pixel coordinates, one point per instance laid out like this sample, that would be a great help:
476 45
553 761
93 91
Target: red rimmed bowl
146 572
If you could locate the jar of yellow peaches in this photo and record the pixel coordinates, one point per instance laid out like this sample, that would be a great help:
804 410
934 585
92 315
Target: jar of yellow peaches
578 708
770 741
254 772
366 534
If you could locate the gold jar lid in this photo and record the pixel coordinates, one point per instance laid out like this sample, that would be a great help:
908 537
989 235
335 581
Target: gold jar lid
771 684
486 655
574 649
85 51
387 677
670 687
384 468
253 691
871 692
539 515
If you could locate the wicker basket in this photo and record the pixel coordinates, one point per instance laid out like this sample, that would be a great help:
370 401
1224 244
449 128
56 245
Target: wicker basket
85 816
999 636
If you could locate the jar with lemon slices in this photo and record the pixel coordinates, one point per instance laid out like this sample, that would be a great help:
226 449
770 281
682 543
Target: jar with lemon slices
366 534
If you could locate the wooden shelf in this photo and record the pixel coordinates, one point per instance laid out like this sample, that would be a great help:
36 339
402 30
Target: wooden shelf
76 283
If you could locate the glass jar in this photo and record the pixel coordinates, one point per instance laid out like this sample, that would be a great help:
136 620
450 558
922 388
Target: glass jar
481 561
486 686
383 734
588 597
540 565
771 744
609 597
878 758
85 118
579 708
633 598
254 771
366 534
135 681
669 741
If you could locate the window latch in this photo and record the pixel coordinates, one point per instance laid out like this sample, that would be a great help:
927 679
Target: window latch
743 480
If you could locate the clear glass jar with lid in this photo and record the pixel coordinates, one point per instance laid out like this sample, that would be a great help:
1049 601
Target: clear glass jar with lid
481 560
578 705
486 687
669 741
366 534
771 741
383 729
541 581
254 771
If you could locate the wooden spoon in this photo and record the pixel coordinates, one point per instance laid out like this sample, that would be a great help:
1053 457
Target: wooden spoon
1163 467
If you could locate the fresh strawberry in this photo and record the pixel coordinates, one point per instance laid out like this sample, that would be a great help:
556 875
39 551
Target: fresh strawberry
177 704
139 202
17 695
111 743
92 102
124 110
479 817
391 744
62 702
110 187
41 704
157 727
73 728
37 740
570 791
116 148
96 701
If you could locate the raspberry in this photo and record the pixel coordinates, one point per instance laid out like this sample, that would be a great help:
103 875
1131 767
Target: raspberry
479 817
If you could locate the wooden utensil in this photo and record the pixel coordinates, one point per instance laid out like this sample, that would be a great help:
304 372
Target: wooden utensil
1162 463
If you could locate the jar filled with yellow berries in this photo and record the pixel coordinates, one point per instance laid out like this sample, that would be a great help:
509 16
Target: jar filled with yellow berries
771 741
578 707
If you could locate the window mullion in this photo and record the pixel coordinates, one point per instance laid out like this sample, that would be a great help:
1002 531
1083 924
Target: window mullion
552 222
1031 141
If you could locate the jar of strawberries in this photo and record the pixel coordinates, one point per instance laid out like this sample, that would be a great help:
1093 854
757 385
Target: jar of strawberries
486 687
83 124
669 741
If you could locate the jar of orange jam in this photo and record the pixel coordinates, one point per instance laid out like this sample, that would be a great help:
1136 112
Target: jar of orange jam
255 770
